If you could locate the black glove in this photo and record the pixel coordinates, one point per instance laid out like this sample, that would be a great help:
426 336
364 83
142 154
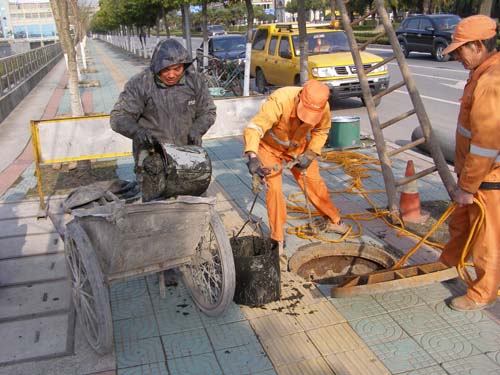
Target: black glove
144 137
194 138
254 165
305 160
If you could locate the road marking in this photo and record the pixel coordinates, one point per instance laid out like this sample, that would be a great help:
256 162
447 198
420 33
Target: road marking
458 85
433 67
444 78
431 98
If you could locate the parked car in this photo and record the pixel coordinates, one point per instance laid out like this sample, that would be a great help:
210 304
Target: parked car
427 33
216 30
275 60
223 47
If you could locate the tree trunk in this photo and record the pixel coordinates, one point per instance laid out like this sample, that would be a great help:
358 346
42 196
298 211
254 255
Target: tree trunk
426 5
186 29
304 70
60 10
248 49
165 22
486 7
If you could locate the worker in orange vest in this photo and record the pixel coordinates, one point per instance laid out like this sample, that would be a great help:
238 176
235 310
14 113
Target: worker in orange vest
292 125
477 161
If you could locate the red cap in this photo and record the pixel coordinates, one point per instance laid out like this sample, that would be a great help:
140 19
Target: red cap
313 99
478 27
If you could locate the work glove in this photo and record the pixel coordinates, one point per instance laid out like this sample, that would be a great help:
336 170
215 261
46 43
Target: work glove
255 167
194 138
305 160
144 137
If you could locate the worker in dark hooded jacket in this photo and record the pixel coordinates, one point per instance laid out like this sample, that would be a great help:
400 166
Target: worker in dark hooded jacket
169 101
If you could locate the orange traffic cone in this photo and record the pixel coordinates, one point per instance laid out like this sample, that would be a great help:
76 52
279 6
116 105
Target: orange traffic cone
409 202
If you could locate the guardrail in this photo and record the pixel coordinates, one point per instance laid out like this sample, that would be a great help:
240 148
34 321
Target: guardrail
132 44
16 69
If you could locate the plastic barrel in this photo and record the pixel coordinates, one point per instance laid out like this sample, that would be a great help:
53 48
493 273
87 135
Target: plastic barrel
344 132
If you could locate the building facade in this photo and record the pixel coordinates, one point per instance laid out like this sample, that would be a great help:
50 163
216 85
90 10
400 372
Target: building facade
28 20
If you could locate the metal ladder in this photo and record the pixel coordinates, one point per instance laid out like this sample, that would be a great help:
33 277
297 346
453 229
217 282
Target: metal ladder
428 138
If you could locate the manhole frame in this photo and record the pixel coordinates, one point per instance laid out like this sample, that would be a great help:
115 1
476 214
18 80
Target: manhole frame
316 250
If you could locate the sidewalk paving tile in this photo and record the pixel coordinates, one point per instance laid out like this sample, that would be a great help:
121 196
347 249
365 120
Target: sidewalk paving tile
135 306
479 364
357 307
187 343
419 320
275 325
494 356
233 314
402 355
35 299
294 348
246 359
35 338
484 335
378 329
446 344
397 300
136 328
128 289
203 364
130 353
433 370
334 339
149 369
358 361
457 319
440 291
179 318
312 316
28 270
231 335
313 366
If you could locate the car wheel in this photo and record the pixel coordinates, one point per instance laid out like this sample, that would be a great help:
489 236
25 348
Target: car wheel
404 48
438 53
260 81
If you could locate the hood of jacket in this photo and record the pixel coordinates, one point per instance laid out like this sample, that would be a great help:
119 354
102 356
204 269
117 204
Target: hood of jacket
169 52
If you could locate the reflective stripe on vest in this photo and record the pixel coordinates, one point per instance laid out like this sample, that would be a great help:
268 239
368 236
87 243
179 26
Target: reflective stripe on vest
277 140
466 133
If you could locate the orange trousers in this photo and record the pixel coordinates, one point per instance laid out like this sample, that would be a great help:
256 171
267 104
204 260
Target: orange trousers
317 191
485 248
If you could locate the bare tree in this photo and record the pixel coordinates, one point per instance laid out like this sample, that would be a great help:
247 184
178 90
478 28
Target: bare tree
61 16
486 7
304 70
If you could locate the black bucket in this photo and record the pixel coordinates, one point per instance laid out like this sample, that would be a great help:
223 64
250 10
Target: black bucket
257 266
168 170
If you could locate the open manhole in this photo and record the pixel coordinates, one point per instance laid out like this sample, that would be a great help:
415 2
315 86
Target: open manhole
326 263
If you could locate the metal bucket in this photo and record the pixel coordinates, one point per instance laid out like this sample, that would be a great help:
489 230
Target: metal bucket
258 279
168 170
344 132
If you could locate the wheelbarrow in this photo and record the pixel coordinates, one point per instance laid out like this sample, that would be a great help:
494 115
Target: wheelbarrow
119 240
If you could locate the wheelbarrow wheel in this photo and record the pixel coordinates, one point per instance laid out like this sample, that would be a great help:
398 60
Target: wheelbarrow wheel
90 294
210 277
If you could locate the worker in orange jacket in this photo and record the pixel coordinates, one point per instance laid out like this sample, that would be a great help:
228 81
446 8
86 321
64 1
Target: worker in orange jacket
477 161
292 125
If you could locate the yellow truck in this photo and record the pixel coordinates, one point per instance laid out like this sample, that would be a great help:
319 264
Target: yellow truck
276 60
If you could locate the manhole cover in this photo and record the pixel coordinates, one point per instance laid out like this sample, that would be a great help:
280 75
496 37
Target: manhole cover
325 263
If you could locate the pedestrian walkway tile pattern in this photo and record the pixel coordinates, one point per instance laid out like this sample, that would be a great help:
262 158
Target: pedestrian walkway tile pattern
175 337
